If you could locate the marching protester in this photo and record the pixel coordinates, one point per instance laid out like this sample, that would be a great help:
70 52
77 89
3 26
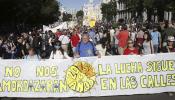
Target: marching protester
1 48
32 55
92 35
58 52
139 39
102 40
170 45
147 47
133 34
71 49
75 39
122 38
101 47
86 48
131 50
156 38
64 39
20 48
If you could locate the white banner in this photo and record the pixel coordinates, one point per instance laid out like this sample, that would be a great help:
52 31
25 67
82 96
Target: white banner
107 76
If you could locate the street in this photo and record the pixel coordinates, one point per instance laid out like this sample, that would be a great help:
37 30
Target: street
163 96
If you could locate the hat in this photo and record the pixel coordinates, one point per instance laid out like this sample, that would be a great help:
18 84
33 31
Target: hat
171 38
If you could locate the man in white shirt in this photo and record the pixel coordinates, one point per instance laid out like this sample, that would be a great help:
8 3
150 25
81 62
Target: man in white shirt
112 35
64 39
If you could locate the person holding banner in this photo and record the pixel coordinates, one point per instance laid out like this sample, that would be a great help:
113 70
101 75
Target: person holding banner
32 55
170 45
131 50
58 52
147 47
86 48
1 48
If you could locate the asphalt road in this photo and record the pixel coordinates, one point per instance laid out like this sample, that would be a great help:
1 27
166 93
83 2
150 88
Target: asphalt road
163 96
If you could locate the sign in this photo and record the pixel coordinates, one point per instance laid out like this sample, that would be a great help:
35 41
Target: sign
92 23
83 77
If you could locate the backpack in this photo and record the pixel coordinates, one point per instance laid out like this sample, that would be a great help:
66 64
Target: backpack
93 46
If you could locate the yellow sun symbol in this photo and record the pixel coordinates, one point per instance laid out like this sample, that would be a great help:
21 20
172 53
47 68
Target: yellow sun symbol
80 77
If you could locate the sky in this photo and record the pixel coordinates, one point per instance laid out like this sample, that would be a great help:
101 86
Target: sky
77 4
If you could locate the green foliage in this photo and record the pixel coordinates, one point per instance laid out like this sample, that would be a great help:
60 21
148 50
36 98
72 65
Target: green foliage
150 5
33 12
109 10
67 17
170 31
80 14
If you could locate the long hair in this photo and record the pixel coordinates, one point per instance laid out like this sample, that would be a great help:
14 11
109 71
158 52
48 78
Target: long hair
58 43
149 38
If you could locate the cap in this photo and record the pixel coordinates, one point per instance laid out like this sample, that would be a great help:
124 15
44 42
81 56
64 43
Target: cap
171 38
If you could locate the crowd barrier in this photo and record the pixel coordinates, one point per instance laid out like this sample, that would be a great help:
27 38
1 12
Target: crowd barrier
84 77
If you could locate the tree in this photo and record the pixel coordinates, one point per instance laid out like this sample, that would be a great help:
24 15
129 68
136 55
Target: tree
109 10
67 17
80 14
15 13
153 7
149 6
134 6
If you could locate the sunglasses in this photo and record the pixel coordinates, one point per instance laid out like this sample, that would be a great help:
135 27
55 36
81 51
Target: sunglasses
130 42
170 41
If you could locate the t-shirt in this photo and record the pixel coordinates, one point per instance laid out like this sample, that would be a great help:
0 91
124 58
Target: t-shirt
75 40
112 33
129 52
116 35
58 34
101 50
123 38
64 39
86 49
155 37
58 55
34 57
147 47
133 35
167 50
92 36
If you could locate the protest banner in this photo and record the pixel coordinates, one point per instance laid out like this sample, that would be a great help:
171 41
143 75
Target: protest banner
84 77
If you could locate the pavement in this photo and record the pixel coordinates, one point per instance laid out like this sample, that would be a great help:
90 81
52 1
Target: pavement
163 96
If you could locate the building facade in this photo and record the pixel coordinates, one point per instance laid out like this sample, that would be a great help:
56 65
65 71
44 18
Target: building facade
106 1
124 13
92 12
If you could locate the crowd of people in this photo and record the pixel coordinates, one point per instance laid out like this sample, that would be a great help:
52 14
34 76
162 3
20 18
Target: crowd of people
101 40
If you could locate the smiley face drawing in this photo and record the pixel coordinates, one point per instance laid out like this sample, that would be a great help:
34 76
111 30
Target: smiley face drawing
80 77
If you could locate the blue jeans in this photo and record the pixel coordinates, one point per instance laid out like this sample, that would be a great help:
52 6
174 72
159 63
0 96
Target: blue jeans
156 47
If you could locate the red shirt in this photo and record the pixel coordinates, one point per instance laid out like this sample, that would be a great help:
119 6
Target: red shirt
58 34
131 52
123 38
75 40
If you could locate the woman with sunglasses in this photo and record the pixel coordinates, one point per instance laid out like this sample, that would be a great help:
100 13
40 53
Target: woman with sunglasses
131 50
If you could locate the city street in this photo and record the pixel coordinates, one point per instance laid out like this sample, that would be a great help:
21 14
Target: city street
163 96
87 50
